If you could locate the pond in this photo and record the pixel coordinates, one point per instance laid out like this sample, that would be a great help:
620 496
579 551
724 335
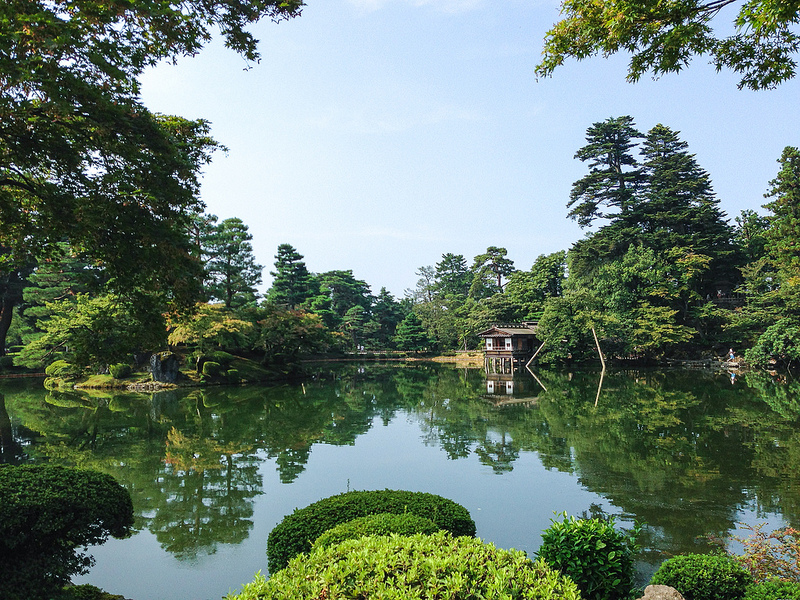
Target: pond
212 471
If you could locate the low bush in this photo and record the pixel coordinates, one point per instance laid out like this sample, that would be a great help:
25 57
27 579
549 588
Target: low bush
770 555
62 369
419 566
380 524
233 375
773 590
298 530
704 577
119 370
6 362
595 555
87 592
48 516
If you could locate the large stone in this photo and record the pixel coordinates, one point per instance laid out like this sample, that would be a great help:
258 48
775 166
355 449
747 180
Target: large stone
164 367
661 592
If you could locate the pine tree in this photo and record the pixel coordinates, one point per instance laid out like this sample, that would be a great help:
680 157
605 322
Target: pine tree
453 277
291 284
784 228
614 174
411 334
234 273
677 204
488 271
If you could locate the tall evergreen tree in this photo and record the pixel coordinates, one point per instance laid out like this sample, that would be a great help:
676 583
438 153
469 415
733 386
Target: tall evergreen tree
411 334
677 204
387 314
453 277
609 188
232 267
291 284
784 231
488 270
678 207
56 279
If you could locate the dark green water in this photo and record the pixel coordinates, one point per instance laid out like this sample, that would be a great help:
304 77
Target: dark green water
211 471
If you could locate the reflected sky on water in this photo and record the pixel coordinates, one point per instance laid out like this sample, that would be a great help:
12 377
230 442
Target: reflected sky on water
212 471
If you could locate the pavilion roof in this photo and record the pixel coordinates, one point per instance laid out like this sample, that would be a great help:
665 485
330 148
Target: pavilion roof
510 330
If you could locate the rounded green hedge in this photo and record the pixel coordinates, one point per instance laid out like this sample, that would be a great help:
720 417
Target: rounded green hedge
704 577
419 566
49 515
119 370
380 524
298 530
773 590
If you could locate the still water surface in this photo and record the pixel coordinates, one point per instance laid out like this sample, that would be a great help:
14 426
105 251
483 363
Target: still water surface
212 471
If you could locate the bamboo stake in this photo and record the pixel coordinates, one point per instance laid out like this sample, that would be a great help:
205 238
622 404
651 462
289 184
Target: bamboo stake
603 372
534 355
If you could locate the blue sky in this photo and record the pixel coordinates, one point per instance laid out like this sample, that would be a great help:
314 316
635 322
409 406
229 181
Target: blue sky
376 135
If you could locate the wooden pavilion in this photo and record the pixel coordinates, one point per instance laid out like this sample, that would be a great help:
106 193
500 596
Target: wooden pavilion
508 347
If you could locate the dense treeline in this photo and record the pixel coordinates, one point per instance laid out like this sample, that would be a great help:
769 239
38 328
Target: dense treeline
661 272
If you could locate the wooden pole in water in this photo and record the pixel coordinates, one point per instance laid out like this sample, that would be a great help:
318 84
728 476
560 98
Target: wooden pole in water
603 372
534 355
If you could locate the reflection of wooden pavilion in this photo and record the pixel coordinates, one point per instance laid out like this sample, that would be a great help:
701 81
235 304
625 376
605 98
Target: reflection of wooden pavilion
509 347
503 390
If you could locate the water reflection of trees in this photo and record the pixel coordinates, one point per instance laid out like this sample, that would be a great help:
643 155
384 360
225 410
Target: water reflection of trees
682 452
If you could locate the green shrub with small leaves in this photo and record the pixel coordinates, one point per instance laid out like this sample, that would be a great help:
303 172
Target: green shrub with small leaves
595 555
233 375
119 370
773 590
380 524
87 592
419 566
62 369
298 530
704 577
48 516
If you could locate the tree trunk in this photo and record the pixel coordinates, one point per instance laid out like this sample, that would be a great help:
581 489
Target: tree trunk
7 304
10 450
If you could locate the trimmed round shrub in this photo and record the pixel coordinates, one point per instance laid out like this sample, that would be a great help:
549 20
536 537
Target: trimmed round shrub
48 516
119 370
773 590
595 555
419 566
87 592
298 530
62 369
380 524
704 576
6 362
211 369
233 375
